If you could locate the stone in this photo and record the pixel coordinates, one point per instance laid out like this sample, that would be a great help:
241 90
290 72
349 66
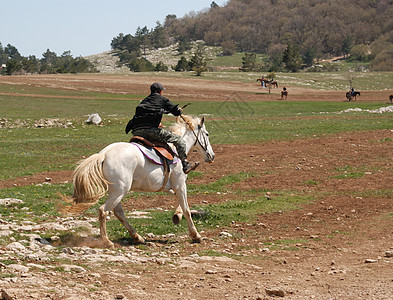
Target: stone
15 246
370 261
8 294
275 291
225 234
9 201
94 119
5 232
389 253
73 268
18 268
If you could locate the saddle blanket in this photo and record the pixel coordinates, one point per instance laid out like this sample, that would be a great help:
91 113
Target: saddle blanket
152 155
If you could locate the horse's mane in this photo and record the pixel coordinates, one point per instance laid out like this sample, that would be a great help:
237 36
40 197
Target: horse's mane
180 127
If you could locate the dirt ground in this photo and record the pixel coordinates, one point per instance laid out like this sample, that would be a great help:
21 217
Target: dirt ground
343 236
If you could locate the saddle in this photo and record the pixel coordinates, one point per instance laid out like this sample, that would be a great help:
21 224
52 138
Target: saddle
163 150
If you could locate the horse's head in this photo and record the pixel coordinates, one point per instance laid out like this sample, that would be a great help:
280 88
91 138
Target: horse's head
197 136
202 143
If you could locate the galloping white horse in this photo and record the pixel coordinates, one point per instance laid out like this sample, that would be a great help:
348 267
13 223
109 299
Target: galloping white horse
121 167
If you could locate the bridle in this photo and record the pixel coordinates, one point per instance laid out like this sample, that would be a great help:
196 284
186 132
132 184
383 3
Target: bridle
204 145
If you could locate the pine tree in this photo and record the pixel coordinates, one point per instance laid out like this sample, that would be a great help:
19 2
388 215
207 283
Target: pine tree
292 59
198 63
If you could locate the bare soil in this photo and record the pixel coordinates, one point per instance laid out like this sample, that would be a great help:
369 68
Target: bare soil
347 223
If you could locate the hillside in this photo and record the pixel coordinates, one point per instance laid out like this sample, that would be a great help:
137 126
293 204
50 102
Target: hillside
257 25
290 34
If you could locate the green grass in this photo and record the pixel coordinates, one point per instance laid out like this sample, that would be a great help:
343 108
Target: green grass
247 209
26 150
39 202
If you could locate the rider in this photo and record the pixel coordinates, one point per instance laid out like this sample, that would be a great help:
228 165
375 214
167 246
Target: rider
352 91
147 123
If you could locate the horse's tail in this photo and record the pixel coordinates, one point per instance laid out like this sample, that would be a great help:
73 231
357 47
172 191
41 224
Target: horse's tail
89 185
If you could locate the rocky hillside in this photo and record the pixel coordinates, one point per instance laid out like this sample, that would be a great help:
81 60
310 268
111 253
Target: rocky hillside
108 62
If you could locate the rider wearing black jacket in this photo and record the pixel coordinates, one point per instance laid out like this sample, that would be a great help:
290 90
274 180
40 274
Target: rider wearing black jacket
147 119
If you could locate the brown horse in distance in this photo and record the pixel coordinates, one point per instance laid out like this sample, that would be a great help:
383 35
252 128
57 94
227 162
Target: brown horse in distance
284 93
350 95
274 83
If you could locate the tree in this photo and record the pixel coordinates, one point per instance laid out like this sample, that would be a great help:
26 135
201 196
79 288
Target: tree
309 56
249 61
3 55
291 58
161 67
31 64
228 48
49 56
140 64
12 52
346 46
182 65
360 52
159 37
198 63
13 67
184 44
214 5
142 34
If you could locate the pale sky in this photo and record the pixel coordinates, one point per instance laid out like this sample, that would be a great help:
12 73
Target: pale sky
84 27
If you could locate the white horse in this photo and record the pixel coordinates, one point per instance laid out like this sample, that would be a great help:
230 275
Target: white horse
121 167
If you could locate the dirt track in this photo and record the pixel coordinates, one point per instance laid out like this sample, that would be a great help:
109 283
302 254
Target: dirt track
186 89
346 225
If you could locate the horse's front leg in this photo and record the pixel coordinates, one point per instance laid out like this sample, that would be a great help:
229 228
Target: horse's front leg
182 199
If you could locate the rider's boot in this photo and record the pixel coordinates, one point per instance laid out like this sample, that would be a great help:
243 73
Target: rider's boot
188 167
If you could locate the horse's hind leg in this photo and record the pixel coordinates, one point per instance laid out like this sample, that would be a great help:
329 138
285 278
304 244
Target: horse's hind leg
115 194
119 213
103 233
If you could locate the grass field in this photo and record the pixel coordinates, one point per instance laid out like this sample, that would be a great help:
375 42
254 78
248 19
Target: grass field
27 149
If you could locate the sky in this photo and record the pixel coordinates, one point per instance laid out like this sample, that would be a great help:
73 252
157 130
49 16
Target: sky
84 27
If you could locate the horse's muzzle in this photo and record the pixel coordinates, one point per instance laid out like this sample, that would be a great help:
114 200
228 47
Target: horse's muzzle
209 157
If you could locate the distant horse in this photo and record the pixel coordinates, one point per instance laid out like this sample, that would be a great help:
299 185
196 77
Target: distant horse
121 167
284 93
265 82
391 98
351 95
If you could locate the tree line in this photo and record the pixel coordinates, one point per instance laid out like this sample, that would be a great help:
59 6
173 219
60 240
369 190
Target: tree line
13 63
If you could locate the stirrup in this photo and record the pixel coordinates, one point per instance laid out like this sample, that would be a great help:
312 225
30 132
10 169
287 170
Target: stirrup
190 167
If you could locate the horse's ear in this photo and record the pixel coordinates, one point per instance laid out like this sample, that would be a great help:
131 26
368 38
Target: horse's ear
202 121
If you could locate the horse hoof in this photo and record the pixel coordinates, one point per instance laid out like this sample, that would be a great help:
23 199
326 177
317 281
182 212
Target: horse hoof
109 245
197 239
138 239
176 219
